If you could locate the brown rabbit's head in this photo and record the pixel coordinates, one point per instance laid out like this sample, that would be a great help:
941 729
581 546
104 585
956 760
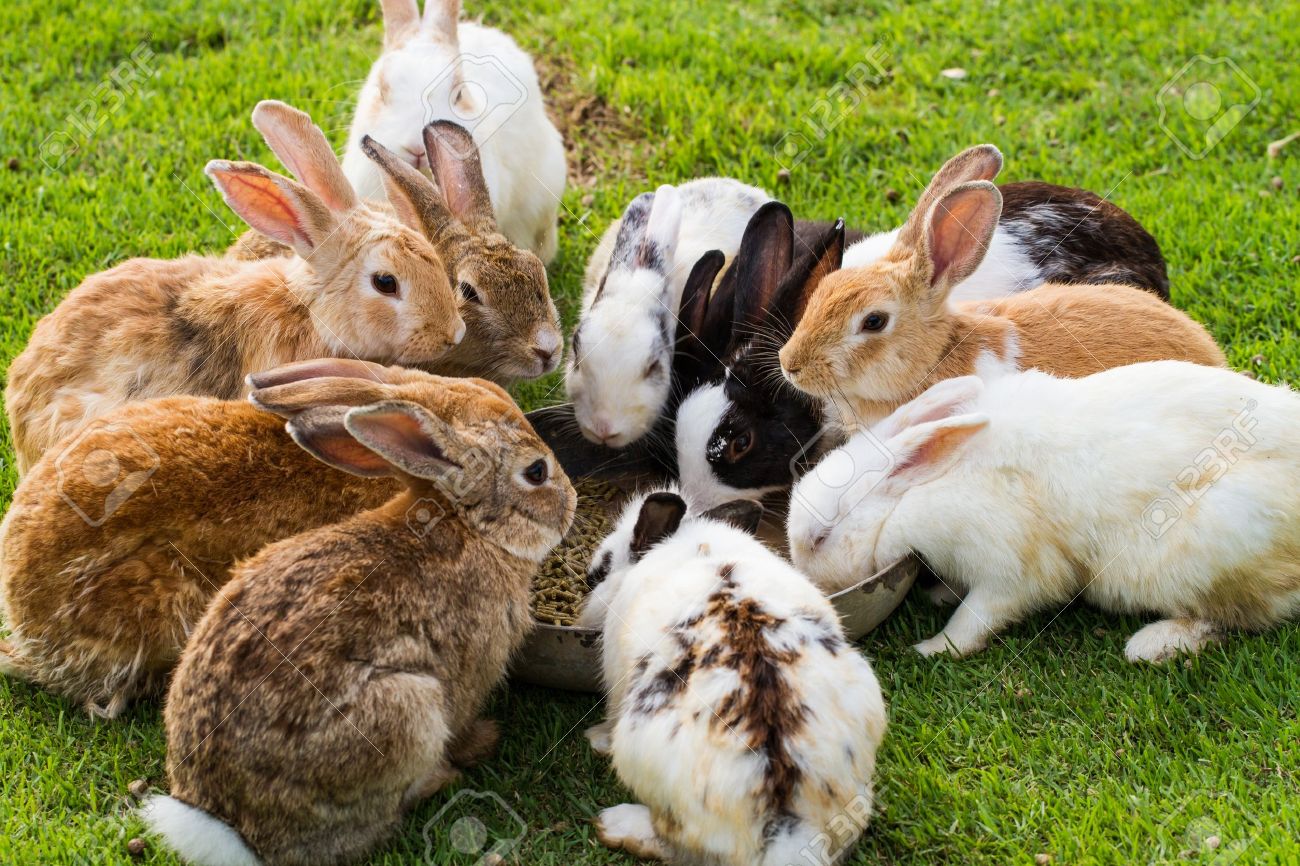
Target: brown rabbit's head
373 284
460 444
513 327
874 332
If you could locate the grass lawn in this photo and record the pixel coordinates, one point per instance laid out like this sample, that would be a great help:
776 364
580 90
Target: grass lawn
1049 743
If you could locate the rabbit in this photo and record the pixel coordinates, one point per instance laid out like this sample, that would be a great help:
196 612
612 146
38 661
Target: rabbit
371 647
874 337
717 652
362 283
618 370
1163 487
1046 234
437 67
512 327
103 576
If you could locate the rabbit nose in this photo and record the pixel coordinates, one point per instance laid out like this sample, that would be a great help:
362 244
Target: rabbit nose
547 357
603 430
416 155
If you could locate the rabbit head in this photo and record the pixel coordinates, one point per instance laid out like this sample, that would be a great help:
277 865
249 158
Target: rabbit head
839 510
740 434
375 286
460 444
513 327
875 331
619 368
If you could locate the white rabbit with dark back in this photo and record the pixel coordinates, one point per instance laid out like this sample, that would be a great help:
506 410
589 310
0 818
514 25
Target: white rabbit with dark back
718 653
437 67
1163 487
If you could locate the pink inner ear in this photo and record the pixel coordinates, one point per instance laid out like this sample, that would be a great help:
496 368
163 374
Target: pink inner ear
956 232
264 206
342 450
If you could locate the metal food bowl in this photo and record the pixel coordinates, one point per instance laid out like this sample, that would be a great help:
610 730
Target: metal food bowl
568 657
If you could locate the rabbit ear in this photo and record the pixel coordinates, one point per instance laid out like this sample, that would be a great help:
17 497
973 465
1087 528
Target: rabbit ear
765 254
981 162
411 194
631 232
824 258
321 433
454 161
957 235
291 398
302 147
941 400
660 241
924 452
442 20
696 344
318 368
744 514
401 18
274 205
660 515
409 437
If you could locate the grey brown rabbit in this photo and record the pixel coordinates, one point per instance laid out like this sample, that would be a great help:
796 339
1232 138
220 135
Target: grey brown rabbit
338 680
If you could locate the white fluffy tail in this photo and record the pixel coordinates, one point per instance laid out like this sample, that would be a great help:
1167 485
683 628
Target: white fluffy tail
195 835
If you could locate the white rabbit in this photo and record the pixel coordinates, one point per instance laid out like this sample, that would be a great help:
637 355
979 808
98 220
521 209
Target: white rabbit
618 370
439 68
718 653
1165 487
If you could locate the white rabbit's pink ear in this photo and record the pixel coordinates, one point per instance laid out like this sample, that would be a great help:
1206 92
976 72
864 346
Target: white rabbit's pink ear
401 19
957 236
442 20
304 150
274 205
665 221
321 433
941 400
416 442
924 452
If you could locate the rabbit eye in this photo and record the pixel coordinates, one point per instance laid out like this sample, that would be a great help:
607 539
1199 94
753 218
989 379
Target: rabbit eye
656 367
874 322
385 284
536 473
470 293
739 446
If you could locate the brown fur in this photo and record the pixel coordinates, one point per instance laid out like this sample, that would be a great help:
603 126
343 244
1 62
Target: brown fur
365 642
1070 330
198 325
100 613
502 330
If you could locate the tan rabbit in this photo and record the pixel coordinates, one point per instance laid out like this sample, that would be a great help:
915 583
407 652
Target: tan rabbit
339 679
119 536
874 337
512 327
362 284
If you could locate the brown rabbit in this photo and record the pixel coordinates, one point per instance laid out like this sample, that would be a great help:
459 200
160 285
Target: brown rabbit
361 284
512 327
874 337
339 679
119 536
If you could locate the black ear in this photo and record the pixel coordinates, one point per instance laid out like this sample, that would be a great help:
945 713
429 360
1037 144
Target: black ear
696 353
823 256
766 251
660 516
744 514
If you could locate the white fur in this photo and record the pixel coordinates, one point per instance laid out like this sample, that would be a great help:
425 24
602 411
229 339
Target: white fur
613 399
1161 641
1006 270
521 151
712 785
698 417
1049 489
194 834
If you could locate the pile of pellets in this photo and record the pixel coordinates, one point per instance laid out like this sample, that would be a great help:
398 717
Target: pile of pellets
561 583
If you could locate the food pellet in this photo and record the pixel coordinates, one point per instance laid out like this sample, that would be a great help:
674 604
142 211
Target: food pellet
561 583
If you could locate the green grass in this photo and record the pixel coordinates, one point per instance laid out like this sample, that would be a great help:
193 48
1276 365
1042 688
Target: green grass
1047 743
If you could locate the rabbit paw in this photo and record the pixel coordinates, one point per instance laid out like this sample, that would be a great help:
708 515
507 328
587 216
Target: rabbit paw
601 737
1161 641
630 828
936 645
